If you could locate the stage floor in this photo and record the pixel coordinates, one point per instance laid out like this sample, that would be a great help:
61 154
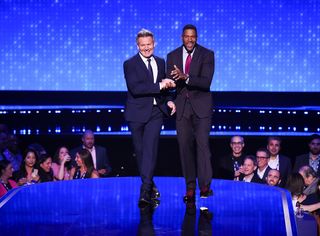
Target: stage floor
109 206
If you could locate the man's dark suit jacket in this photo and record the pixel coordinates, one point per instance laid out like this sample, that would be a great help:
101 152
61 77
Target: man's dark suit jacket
142 89
285 168
303 160
255 178
101 155
200 77
263 180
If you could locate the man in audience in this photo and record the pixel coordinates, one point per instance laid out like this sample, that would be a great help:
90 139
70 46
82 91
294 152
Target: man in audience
263 156
278 161
230 164
273 178
312 158
98 153
248 168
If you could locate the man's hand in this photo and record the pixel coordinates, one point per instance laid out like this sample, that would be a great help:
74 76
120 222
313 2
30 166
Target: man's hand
172 106
177 74
167 83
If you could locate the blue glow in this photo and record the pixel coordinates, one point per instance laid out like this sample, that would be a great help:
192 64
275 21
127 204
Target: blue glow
81 45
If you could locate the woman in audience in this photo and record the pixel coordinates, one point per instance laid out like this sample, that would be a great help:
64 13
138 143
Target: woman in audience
45 171
295 185
61 165
6 171
85 168
27 174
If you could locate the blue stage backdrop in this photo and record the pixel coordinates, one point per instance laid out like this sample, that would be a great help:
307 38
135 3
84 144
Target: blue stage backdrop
79 45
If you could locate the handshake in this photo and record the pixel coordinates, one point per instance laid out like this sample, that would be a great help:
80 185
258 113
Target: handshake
167 83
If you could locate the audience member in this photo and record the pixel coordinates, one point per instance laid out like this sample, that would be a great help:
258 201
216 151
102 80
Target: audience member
27 174
85 168
263 156
98 153
295 185
312 158
6 183
278 161
45 170
12 152
273 178
310 185
61 164
230 164
248 173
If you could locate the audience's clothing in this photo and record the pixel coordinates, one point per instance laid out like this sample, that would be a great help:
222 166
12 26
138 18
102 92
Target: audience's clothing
55 168
263 174
283 164
78 175
254 179
45 176
304 160
101 158
312 188
228 165
4 188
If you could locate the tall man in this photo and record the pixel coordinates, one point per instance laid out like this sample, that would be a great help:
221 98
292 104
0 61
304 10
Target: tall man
146 104
98 153
278 161
192 67
312 158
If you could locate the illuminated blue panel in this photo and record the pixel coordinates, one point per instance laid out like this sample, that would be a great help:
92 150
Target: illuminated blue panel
81 45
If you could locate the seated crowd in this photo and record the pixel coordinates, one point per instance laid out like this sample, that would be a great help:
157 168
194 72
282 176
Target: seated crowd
35 165
88 160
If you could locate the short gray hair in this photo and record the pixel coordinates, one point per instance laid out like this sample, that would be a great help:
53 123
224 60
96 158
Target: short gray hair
144 33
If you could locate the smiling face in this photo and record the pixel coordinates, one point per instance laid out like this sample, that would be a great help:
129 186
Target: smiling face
79 160
274 147
248 167
30 159
189 39
237 145
273 177
262 159
46 165
145 46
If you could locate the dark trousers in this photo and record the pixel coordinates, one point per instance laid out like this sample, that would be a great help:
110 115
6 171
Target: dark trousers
145 138
195 155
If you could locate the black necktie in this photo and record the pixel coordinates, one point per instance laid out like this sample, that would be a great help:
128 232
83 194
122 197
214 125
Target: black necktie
150 68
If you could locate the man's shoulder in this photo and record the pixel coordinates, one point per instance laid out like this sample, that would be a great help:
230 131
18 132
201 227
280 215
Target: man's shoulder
131 59
203 49
175 51
98 147
302 156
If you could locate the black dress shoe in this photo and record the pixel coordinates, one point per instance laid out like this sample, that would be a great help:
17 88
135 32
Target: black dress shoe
205 192
155 192
190 196
144 198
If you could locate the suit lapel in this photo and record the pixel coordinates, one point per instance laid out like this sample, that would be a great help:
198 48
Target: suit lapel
141 66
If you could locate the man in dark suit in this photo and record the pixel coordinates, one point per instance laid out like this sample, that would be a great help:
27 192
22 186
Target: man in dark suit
262 156
147 103
278 161
312 158
98 153
192 67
